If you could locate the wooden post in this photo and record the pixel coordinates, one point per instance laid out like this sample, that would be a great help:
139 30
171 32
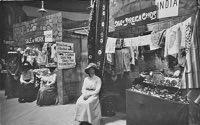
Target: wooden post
60 88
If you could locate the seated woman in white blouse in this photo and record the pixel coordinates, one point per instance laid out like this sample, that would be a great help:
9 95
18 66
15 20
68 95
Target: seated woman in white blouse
88 110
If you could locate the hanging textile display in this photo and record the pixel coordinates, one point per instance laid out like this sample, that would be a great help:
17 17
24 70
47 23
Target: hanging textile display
173 40
122 60
101 33
137 41
97 33
187 34
156 38
91 35
102 29
191 78
110 45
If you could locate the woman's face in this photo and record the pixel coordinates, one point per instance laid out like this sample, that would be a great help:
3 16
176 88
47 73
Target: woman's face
51 69
91 71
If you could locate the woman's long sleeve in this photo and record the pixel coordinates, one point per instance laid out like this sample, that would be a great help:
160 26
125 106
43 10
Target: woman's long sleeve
98 87
83 91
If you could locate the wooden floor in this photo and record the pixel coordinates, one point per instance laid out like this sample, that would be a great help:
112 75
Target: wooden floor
14 113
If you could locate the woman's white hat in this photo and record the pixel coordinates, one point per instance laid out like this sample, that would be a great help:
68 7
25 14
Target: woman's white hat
90 65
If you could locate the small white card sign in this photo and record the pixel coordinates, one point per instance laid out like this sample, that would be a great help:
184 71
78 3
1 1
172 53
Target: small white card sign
64 47
48 36
167 8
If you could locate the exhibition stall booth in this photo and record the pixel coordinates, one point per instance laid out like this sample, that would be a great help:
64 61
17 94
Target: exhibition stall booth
43 43
156 58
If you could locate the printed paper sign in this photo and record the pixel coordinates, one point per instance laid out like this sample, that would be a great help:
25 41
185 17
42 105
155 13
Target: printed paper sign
64 47
167 8
48 36
66 60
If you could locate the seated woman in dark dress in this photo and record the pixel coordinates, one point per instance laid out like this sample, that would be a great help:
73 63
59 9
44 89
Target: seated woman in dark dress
27 87
47 94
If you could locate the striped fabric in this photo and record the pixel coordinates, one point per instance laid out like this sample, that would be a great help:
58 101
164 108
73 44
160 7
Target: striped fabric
191 77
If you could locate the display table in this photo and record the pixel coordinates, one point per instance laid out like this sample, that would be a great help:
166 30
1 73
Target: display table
144 109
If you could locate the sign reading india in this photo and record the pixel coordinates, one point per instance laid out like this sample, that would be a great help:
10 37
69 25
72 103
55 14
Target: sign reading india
145 16
167 8
64 47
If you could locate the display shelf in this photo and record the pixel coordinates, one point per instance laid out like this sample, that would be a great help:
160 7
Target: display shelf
144 109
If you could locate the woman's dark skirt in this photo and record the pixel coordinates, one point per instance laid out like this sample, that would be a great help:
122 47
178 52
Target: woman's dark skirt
28 92
46 96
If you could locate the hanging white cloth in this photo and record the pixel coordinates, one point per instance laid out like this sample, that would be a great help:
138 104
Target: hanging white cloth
53 51
137 41
156 38
173 40
109 58
110 45
127 42
144 40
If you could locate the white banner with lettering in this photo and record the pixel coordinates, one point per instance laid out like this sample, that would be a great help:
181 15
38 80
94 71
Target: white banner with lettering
167 8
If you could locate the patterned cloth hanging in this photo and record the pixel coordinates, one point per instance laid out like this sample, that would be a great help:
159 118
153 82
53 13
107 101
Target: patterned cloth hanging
101 33
191 75
92 34
98 34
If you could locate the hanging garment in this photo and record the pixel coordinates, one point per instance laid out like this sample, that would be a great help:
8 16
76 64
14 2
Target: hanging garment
156 38
127 42
110 58
44 48
186 33
119 62
53 51
41 58
110 45
134 54
126 59
137 41
173 40
191 76
144 40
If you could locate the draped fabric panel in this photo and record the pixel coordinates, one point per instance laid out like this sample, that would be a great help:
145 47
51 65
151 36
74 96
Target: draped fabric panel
192 69
98 34
102 29
91 35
